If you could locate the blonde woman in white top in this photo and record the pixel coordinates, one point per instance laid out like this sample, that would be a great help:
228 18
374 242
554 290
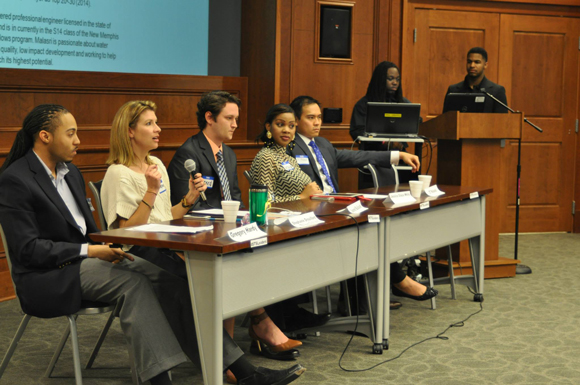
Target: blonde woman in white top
135 189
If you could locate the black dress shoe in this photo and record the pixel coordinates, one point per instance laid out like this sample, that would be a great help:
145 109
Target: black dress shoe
428 294
303 319
264 376
265 351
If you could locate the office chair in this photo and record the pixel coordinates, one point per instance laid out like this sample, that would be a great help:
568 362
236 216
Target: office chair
87 308
248 176
96 190
377 183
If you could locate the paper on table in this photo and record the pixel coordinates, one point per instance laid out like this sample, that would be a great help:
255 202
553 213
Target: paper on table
156 228
241 213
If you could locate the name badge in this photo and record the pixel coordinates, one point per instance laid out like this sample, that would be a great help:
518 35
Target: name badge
302 160
208 181
162 188
287 166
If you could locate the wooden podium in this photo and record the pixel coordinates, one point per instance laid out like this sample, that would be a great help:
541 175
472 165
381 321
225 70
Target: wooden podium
470 153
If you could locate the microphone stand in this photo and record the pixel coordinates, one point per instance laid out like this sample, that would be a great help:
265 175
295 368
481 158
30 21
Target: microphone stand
520 268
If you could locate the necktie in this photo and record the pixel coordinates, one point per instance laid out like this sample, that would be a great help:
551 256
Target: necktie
320 160
223 176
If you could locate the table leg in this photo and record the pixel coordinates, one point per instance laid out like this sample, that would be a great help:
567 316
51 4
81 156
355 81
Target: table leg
477 252
204 271
386 287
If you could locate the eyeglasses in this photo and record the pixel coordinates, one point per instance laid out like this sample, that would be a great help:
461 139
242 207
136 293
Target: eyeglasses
390 79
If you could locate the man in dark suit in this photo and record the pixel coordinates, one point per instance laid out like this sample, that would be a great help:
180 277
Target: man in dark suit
217 117
323 168
319 159
475 81
46 220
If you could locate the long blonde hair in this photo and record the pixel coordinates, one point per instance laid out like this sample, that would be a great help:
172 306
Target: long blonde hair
121 151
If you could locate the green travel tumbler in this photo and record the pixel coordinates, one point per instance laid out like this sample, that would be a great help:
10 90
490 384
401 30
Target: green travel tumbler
258 203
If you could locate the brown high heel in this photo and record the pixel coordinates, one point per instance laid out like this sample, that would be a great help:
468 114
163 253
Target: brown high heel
230 378
259 346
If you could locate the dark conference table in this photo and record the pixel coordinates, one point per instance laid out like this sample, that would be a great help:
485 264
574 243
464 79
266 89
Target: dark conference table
228 278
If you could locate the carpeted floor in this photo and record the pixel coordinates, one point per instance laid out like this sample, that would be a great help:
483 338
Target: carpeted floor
527 333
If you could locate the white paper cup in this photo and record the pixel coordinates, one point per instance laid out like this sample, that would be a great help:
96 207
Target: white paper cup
416 188
426 179
230 209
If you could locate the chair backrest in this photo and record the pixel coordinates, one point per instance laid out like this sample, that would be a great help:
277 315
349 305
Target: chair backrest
96 189
5 244
374 175
248 176
384 177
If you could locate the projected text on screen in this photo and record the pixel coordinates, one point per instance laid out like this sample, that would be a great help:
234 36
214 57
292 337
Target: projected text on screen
139 36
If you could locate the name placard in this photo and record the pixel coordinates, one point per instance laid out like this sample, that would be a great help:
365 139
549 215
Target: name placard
259 242
305 220
246 233
400 198
433 191
356 208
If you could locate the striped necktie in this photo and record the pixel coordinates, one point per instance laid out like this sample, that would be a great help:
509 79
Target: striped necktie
320 160
223 176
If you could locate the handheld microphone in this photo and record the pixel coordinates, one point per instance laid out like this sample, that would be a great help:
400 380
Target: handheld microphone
190 167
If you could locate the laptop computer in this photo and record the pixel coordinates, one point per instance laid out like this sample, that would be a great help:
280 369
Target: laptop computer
469 102
393 119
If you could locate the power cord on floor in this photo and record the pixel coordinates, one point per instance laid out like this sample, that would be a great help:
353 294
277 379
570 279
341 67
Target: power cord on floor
439 336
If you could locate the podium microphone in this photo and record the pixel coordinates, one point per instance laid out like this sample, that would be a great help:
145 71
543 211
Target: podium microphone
190 167
508 108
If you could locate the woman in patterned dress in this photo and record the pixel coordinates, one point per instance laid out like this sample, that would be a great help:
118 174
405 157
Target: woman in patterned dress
273 167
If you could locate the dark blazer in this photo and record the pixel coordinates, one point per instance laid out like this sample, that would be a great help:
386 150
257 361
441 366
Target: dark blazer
336 159
490 87
44 241
198 148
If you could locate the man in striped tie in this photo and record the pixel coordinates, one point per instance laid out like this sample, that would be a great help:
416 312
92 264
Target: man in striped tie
218 113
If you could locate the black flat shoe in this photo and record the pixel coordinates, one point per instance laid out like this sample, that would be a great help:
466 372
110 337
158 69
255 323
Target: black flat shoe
265 351
303 319
428 294
264 376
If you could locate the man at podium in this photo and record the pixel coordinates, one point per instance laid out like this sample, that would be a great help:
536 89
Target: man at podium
476 82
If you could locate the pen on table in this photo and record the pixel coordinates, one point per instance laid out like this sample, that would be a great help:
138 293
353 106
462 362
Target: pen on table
325 199
209 218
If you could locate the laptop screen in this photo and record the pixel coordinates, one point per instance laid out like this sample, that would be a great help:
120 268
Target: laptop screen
392 119
469 102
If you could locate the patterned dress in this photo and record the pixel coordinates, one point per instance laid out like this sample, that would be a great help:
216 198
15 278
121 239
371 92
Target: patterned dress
280 172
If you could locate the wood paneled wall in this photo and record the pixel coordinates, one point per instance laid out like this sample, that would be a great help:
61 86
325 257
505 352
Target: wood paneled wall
93 98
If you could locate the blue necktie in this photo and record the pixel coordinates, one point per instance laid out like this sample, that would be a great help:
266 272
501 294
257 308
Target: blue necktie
320 160
223 176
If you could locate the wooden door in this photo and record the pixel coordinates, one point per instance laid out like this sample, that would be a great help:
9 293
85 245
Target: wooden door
539 68
434 56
